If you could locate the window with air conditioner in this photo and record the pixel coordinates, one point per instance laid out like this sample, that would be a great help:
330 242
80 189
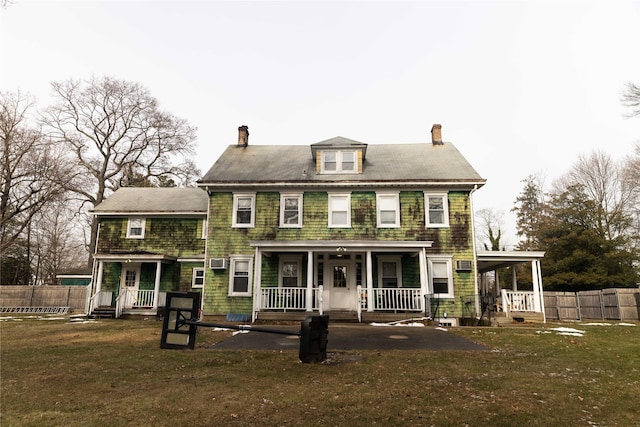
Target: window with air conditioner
241 267
441 277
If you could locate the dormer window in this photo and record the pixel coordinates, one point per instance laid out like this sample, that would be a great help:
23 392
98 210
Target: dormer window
339 156
339 161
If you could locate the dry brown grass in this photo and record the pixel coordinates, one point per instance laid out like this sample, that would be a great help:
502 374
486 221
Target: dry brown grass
57 373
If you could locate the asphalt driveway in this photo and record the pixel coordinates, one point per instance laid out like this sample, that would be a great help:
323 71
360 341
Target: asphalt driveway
354 337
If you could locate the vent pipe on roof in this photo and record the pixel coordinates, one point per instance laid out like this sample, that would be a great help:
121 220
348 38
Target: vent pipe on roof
243 136
436 134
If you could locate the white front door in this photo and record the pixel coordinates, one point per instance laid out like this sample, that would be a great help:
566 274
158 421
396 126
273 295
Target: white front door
130 284
342 287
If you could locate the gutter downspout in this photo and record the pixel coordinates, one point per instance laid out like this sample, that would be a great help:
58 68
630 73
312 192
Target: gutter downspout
475 254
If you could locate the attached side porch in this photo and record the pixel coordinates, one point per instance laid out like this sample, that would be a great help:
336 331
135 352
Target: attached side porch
511 302
135 283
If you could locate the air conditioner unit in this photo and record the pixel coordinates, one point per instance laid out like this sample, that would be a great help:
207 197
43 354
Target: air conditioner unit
217 263
463 265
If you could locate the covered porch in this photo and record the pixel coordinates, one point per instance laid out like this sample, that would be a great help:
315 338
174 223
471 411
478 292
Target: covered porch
343 278
507 298
134 285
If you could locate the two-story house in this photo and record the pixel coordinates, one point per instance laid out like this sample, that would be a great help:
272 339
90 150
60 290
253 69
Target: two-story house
150 240
359 231
341 227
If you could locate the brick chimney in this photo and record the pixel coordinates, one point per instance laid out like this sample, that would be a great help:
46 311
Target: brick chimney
436 134
243 136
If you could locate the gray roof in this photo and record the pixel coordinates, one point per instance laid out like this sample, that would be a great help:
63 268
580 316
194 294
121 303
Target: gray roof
128 200
422 162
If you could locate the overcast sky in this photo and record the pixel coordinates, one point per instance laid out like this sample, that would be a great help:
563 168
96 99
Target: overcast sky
519 87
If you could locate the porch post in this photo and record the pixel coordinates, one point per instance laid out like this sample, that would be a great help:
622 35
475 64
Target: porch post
536 287
369 281
156 289
514 278
309 296
99 278
257 283
424 282
539 270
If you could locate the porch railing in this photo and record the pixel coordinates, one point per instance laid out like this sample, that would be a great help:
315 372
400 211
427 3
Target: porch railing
137 299
100 299
289 299
397 299
283 298
523 301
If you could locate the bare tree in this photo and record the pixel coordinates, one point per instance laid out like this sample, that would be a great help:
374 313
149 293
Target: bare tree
631 99
631 183
490 223
32 169
119 137
602 181
57 242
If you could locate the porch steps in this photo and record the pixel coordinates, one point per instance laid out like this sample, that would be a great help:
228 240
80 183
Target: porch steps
334 316
103 313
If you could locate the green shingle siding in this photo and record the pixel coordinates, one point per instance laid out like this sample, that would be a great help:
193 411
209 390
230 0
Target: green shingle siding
169 236
224 240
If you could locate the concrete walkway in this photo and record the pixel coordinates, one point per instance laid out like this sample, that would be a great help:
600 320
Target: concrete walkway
354 337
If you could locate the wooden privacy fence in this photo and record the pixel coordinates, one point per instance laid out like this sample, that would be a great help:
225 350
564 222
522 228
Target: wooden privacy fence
42 299
606 304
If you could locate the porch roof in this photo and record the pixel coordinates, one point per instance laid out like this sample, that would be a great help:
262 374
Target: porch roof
493 260
339 245
135 257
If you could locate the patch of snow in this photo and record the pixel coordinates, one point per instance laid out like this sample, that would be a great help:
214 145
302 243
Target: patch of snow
571 334
239 332
413 325
441 329
626 324
596 324
568 330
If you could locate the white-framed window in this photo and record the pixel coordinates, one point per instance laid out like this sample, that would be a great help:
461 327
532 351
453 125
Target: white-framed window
388 210
290 272
240 272
339 210
197 280
437 209
135 228
244 210
441 276
291 210
339 161
389 272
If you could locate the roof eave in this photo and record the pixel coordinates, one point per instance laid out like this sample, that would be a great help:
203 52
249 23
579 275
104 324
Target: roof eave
226 186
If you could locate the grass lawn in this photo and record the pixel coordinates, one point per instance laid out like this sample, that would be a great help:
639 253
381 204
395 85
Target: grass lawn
58 373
